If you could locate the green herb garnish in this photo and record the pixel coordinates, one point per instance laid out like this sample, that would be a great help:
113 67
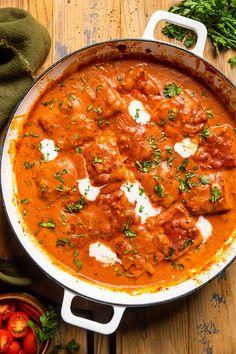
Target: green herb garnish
218 16
97 160
49 224
75 207
171 90
215 194
78 263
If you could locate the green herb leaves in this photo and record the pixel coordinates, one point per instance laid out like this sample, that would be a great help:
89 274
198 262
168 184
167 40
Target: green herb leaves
171 90
215 194
218 16
96 160
205 133
47 329
127 231
49 224
75 207
78 263
232 62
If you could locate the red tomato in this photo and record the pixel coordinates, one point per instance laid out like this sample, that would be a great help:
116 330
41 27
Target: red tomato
29 343
5 340
7 307
18 324
0 320
14 348
30 311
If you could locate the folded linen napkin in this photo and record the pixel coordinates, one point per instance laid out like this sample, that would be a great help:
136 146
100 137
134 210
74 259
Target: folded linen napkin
24 45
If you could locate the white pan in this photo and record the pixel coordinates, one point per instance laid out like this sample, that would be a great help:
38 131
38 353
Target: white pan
190 61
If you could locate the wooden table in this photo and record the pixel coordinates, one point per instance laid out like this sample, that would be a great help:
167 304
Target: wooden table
201 323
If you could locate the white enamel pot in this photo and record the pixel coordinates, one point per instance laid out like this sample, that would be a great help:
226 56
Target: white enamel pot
146 47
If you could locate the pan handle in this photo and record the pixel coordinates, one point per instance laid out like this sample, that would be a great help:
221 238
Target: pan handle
196 26
103 328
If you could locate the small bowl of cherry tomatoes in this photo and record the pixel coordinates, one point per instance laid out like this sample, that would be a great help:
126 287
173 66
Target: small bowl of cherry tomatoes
20 315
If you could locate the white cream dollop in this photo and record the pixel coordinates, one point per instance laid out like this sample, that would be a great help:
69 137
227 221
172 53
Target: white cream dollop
135 194
138 112
204 227
48 149
87 190
103 254
185 148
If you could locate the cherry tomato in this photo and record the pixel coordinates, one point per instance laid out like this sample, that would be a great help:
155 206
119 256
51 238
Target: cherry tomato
29 343
18 324
30 311
14 348
5 340
0 321
7 307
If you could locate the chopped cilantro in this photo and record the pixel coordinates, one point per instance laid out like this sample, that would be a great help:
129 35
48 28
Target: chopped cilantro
170 255
159 189
209 114
171 116
78 150
98 88
171 90
49 103
183 166
128 232
141 191
59 174
141 208
49 224
89 108
97 160
62 242
78 263
136 116
75 207
205 133
215 194
163 122
28 165
144 166
204 180
177 265
24 201
187 243
72 97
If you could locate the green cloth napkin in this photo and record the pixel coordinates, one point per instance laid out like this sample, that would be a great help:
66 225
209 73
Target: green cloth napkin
24 45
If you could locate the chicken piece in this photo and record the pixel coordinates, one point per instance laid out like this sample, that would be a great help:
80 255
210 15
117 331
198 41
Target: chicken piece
105 100
103 160
211 197
138 78
218 150
134 144
71 131
193 116
160 185
91 223
116 207
179 228
55 178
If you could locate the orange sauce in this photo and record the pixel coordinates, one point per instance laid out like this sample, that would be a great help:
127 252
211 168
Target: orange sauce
86 114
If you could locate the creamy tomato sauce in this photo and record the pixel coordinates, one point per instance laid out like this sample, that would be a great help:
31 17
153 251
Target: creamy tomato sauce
125 173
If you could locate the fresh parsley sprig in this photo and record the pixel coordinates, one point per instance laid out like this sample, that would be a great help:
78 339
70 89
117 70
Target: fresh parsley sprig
47 329
219 16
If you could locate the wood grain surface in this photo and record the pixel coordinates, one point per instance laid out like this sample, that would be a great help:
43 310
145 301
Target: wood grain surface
204 322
